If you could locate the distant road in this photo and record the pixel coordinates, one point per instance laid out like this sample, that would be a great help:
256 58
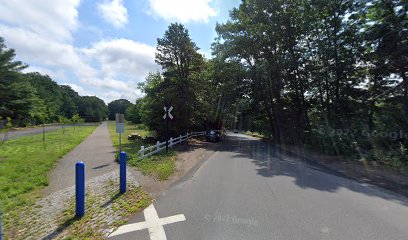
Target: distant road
36 130
247 190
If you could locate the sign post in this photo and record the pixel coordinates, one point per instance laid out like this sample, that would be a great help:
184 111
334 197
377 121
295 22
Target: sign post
43 127
167 115
120 127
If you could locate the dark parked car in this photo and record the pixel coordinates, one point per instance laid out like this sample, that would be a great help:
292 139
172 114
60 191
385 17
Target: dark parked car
236 131
213 136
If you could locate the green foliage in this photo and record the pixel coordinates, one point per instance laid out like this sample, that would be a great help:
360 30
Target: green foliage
118 106
18 99
318 72
32 98
133 112
70 101
178 55
50 92
188 84
152 104
5 123
77 119
92 109
64 120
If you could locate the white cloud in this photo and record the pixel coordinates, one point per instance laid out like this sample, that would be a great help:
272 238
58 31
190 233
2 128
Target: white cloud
36 48
123 57
109 96
183 10
41 33
206 54
114 12
80 90
54 74
55 18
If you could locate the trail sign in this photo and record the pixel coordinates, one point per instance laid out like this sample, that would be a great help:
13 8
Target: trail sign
168 112
120 127
120 123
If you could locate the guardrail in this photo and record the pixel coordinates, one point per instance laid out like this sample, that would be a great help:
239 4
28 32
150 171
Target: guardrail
145 152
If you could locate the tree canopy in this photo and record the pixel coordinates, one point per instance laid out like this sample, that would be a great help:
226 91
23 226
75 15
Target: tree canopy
33 98
118 106
325 73
329 74
178 86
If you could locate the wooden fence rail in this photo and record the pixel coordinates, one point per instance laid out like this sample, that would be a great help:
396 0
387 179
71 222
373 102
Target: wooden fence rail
159 146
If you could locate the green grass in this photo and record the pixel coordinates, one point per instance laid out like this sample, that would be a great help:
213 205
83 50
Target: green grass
26 161
160 165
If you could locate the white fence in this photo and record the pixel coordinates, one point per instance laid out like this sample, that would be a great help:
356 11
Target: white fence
145 152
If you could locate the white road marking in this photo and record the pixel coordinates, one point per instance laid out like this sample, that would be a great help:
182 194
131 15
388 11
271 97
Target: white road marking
152 222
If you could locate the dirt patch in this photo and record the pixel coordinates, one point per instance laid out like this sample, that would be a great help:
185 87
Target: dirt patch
362 171
189 155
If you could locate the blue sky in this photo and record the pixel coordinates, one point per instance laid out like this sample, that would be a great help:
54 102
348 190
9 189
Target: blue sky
103 47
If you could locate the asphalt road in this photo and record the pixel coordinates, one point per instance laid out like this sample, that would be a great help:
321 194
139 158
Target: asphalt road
247 190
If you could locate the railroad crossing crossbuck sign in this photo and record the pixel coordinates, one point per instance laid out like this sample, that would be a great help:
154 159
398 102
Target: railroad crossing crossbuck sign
168 112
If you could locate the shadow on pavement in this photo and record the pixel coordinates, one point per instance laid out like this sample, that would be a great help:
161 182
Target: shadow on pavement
271 161
101 166
60 229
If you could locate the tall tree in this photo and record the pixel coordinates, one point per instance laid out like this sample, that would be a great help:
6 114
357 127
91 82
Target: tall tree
313 67
18 99
133 112
178 56
118 106
50 92
71 101
92 109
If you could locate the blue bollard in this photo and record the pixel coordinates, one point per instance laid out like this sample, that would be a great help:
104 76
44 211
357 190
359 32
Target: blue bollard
80 189
122 184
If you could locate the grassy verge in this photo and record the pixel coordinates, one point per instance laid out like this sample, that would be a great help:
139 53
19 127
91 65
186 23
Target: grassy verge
25 163
160 166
